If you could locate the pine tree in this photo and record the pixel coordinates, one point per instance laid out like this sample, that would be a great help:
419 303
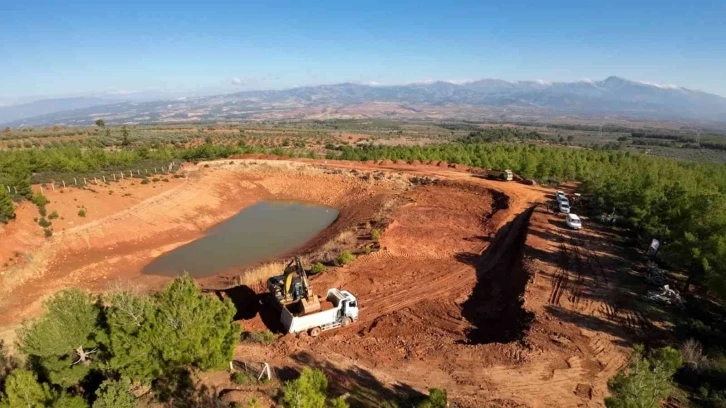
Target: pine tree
23 390
7 210
169 331
66 339
307 391
69 401
115 394
648 380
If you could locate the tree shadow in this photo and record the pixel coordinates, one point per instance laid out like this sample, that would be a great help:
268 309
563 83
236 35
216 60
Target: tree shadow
250 304
245 300
362 387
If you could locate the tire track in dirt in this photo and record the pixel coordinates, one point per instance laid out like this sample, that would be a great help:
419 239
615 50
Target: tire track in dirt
562 278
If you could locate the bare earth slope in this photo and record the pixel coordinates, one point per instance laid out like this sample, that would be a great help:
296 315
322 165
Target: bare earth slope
476 288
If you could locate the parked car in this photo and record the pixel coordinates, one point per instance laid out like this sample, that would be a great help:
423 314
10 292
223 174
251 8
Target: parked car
564 207
573 221
560 195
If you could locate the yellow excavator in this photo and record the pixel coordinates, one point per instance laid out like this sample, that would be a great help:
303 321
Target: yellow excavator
289 289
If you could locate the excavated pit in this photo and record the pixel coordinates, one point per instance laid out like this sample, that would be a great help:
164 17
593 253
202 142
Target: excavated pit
495 307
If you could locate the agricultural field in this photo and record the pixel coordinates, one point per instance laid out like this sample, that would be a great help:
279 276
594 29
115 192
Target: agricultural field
465 284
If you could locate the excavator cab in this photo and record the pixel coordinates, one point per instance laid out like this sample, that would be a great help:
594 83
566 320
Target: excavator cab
288 288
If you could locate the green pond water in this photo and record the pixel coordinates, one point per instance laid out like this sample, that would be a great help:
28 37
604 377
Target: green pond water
260 232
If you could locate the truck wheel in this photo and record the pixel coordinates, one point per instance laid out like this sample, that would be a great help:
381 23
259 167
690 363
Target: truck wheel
315 332
346 321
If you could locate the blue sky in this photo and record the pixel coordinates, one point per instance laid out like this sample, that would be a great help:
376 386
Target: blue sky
73 48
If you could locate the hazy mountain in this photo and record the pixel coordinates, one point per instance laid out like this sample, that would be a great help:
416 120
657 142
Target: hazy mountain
612 97
46 106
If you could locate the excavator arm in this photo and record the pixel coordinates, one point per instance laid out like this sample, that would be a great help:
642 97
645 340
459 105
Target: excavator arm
310 302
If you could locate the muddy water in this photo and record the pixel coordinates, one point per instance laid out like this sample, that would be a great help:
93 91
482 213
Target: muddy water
259 232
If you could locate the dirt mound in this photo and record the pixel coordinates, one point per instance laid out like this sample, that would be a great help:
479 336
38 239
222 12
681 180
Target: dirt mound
385 163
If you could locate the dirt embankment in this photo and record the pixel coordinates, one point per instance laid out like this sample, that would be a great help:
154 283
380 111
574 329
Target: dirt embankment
458 298
120 234
466 292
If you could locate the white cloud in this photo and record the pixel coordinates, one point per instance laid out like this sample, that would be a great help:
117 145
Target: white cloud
236 81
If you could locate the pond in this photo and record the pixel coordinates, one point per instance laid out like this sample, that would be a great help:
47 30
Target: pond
259 232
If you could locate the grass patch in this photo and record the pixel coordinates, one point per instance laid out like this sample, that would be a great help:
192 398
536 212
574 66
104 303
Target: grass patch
39 199
242 378
317 268
264 337
261 273
376 235
345 239
345 257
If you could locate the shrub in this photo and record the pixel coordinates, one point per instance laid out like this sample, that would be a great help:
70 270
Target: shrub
145 181
7 210
42 211
53 215
39 199
309 390
115 394
648 381
345 257
48 233
317 268
338 402
44 223
367 251
263 337
376 235
241 378
82 212
436 399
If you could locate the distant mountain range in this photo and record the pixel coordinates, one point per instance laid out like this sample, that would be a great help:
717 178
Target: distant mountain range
613 97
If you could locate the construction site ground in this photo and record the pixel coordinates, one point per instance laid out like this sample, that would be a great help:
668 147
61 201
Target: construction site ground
475 286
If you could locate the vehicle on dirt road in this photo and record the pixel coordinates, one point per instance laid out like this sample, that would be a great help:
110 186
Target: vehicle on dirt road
573 221
342 312
560 195
504 175
564 207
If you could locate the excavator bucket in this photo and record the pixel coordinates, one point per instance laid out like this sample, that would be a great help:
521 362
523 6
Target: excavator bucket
310 305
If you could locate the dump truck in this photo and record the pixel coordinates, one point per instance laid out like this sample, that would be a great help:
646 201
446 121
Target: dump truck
504 175
342 311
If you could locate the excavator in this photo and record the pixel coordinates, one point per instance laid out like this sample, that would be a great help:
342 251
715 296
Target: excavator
288 289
